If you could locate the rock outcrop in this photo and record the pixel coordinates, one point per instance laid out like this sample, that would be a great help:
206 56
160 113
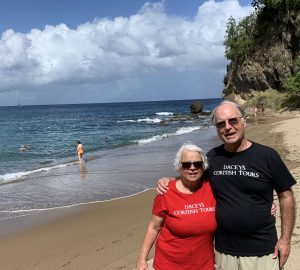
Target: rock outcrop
268 64
196 107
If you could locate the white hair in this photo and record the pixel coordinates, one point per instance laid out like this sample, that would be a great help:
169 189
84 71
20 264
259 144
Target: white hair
188 146
237 106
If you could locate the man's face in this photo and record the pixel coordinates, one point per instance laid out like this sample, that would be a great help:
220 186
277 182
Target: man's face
230 124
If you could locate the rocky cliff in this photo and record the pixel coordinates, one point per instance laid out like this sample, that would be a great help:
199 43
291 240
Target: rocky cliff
276 47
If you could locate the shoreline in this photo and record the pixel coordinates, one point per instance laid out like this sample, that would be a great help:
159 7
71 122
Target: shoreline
107 235
89 234
113 174
16 225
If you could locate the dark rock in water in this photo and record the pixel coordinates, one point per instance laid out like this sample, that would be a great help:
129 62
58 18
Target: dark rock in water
196 107
181 118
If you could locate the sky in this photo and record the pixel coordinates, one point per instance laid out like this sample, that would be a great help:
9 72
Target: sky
98 51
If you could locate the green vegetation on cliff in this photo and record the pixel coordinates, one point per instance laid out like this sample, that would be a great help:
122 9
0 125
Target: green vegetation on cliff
265 25
264 49
239 38
292 82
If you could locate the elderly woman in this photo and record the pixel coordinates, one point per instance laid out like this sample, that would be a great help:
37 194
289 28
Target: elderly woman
183 220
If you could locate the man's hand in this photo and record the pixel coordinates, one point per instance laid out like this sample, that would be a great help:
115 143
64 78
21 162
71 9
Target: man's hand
162 185
287 214
282 250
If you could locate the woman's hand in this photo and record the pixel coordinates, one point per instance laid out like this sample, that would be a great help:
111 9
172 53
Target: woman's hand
142 265
273 209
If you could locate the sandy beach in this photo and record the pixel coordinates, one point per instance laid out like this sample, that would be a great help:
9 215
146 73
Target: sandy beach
108 235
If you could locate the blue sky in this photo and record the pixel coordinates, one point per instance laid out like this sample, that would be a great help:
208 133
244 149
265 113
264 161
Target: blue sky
83 51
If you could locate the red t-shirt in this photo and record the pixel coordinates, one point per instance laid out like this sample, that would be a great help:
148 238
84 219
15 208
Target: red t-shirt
186 239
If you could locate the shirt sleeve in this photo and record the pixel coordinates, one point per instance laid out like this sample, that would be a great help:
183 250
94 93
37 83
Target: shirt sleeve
282 177
159 206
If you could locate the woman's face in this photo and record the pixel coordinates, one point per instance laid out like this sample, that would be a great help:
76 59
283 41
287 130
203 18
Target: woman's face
191 168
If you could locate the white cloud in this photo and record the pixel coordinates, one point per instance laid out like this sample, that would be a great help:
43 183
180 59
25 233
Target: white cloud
116 50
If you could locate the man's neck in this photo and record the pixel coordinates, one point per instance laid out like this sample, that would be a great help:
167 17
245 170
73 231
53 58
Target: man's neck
238 147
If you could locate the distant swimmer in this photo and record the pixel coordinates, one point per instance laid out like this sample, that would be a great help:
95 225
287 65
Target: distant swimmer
24 147
80 151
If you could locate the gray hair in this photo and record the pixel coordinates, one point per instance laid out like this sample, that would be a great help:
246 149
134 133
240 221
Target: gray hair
237 106
188 146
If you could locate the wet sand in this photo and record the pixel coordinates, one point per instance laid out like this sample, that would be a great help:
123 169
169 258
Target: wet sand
108 235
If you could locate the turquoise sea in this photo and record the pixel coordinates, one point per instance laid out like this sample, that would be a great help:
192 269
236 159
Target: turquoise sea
127 146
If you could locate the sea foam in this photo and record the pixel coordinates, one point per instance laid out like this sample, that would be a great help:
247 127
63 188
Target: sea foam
10 177
167 135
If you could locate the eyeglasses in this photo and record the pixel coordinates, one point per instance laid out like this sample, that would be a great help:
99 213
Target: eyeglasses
187 164
231 121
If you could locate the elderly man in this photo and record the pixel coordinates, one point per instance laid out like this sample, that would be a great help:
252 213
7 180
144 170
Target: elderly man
243 175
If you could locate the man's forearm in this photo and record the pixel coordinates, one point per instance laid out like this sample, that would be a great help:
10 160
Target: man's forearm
287 212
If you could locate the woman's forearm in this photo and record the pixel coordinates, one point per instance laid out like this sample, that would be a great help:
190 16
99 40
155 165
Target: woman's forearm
152 232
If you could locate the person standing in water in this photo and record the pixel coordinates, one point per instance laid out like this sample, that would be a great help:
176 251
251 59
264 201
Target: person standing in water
80 151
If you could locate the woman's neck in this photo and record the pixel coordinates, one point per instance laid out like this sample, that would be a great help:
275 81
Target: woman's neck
188 187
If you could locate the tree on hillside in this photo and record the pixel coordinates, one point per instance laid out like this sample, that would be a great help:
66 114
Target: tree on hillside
238 38
292 83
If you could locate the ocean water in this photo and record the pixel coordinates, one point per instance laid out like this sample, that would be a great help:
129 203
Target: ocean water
127 146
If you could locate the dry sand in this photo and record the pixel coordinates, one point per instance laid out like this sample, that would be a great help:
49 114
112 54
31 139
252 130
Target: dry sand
108 235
